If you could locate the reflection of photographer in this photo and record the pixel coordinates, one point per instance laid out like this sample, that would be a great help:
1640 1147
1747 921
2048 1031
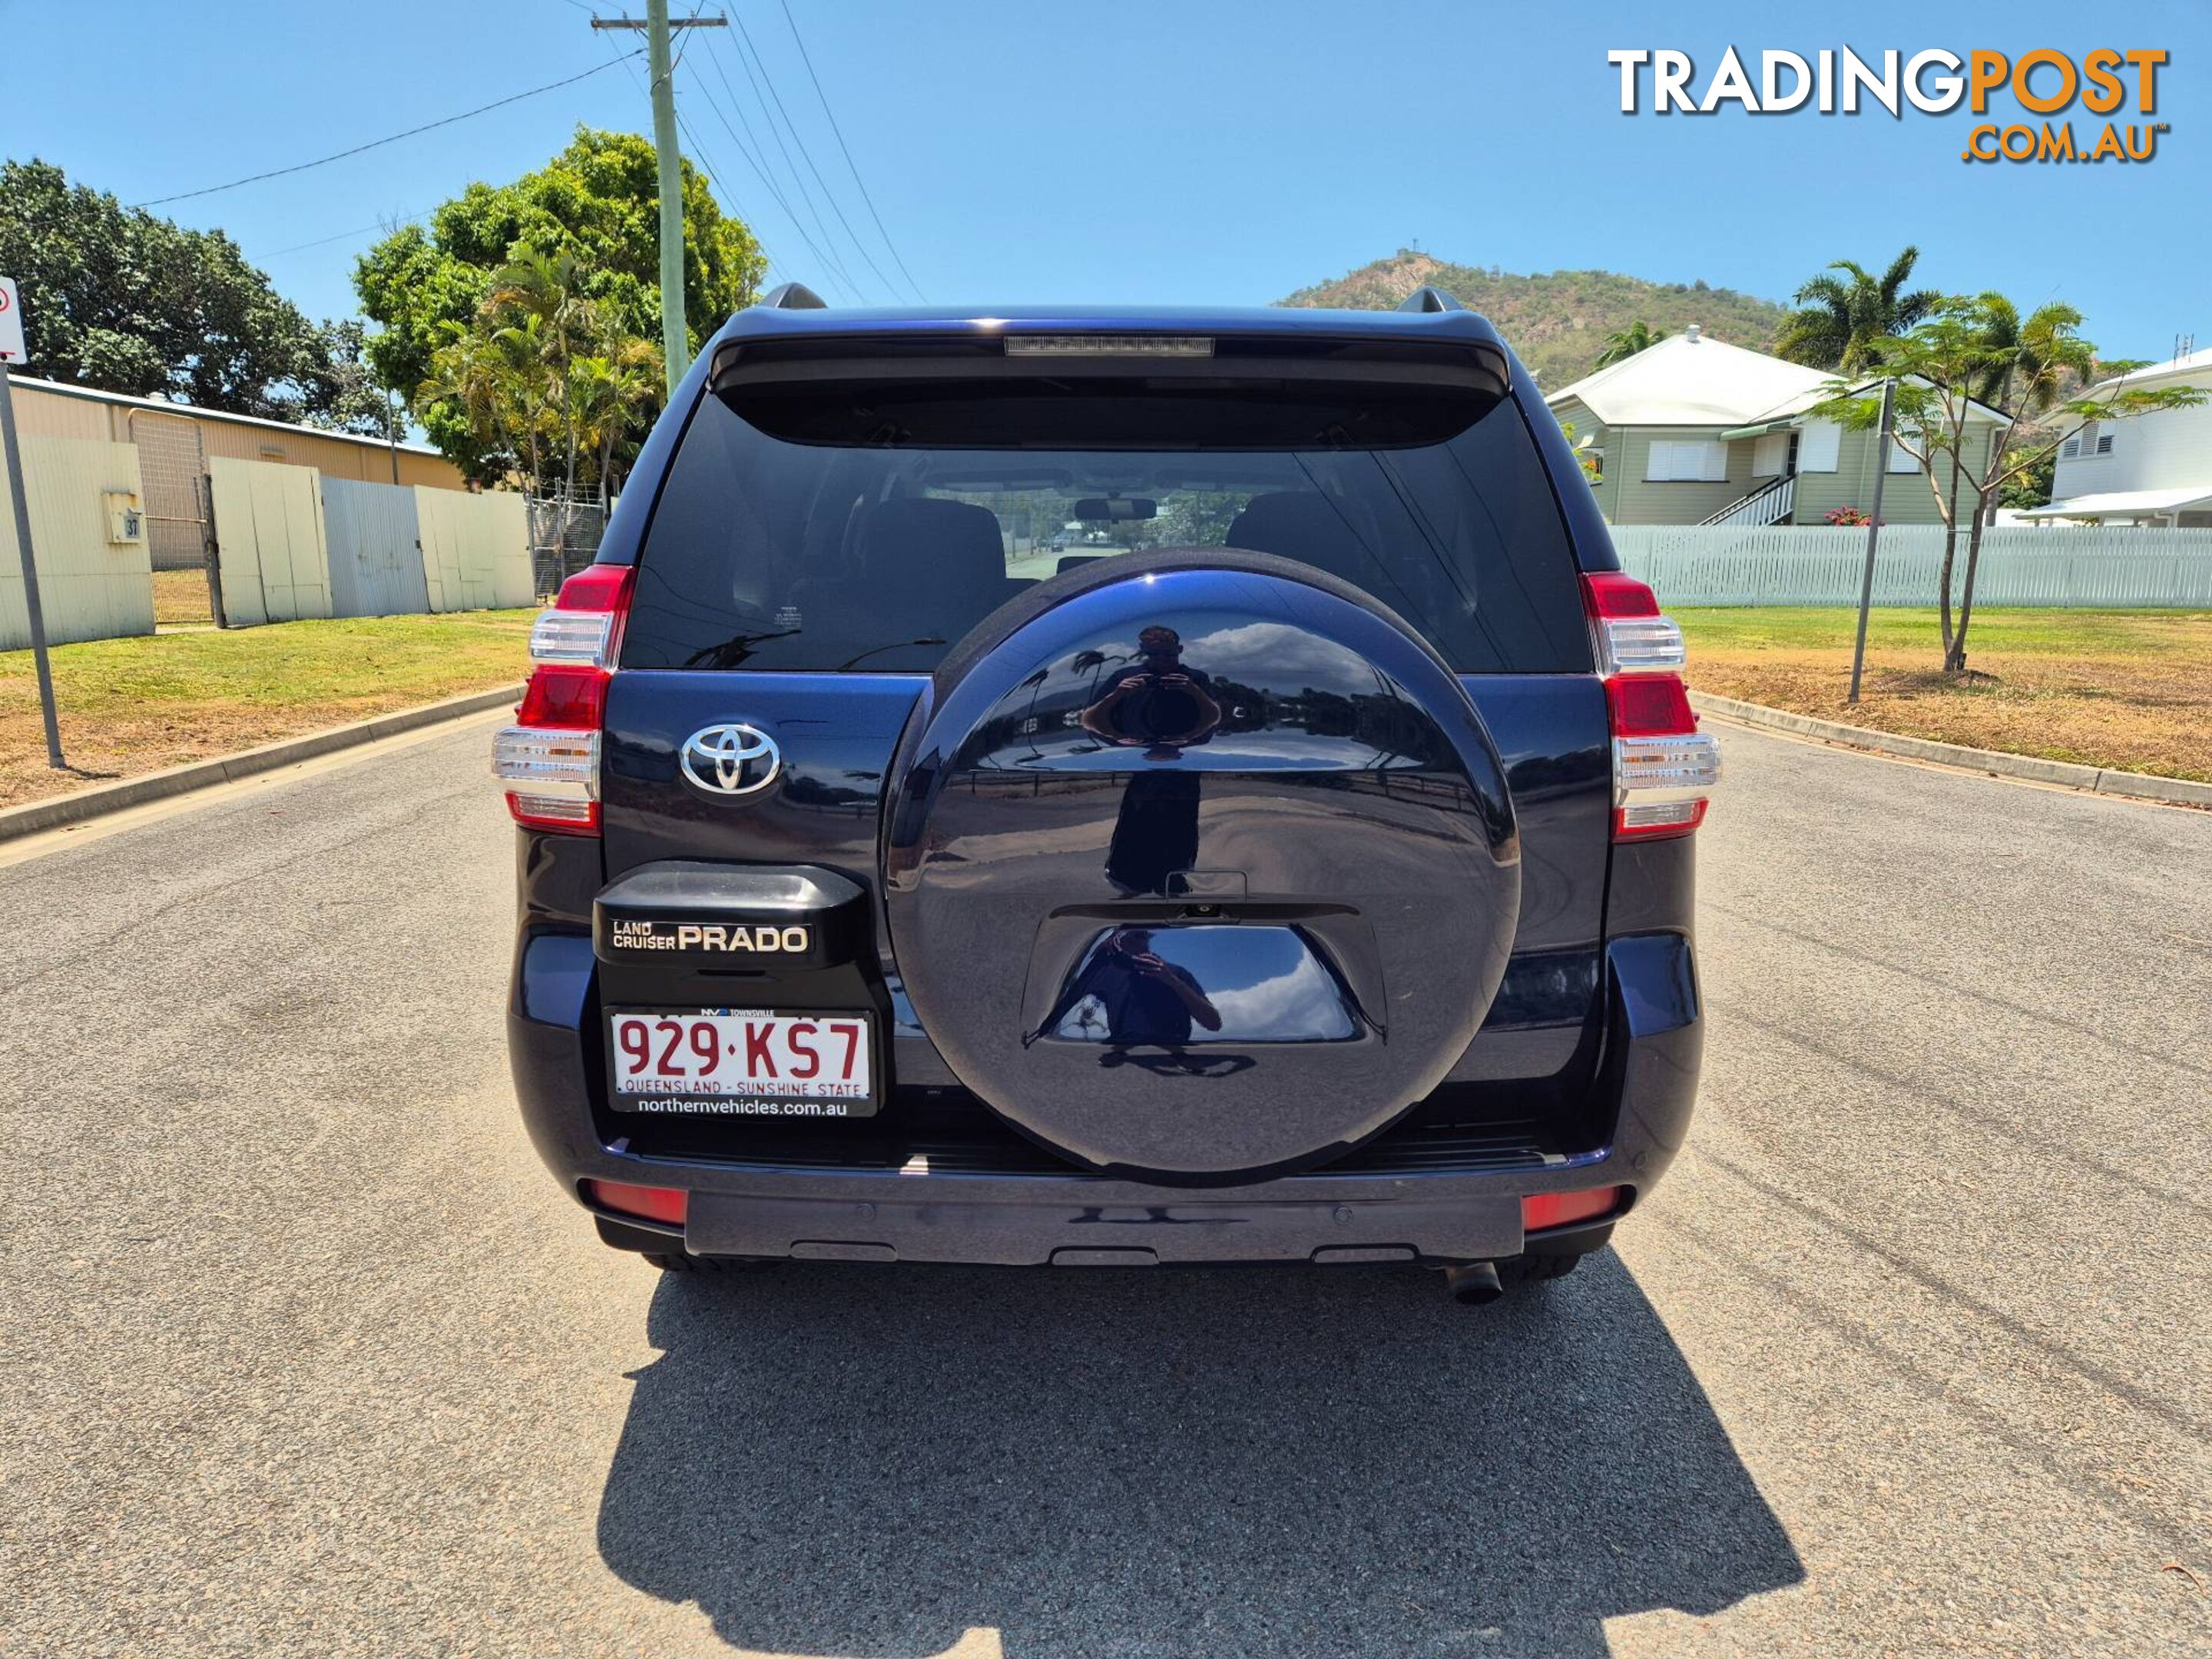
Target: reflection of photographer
1157 703
1145 998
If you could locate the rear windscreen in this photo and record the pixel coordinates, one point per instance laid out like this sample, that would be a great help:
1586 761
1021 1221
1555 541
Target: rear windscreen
821 532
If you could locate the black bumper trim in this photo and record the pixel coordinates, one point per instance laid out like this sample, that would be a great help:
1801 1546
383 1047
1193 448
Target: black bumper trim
1646 1085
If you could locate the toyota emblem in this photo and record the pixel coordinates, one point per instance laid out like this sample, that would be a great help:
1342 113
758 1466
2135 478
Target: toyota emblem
731 759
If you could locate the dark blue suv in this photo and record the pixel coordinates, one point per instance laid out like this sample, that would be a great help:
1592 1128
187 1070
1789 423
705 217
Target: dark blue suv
1107 788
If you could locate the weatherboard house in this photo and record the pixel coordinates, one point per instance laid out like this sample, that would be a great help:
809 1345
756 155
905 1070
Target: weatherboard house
2154 468
1693 430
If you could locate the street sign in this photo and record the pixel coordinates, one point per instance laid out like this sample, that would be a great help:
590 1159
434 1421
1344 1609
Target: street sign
11 324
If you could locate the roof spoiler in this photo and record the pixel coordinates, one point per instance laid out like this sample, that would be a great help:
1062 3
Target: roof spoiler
794 297
1426 298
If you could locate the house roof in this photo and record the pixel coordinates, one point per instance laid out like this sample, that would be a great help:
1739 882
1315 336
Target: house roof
1688 380
194 411
2115 502
2196 366
1692 379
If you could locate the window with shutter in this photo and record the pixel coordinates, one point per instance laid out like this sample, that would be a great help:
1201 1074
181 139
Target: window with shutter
1818 445
1687 460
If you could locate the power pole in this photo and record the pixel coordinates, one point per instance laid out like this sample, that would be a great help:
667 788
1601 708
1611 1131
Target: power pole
674 336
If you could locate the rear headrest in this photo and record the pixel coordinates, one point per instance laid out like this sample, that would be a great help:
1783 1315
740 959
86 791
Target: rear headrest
918 542
1302 525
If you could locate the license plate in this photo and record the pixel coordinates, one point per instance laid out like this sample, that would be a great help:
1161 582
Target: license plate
741 1062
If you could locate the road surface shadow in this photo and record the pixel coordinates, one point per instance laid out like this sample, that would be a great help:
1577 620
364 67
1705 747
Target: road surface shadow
872 1462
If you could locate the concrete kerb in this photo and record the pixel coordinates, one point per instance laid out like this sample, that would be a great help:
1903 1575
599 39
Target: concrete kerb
83 804
2103 781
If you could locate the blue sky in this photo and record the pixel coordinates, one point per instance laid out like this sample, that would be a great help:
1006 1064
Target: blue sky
1140 151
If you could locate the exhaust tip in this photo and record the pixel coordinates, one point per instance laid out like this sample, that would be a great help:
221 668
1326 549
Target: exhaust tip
1475 1283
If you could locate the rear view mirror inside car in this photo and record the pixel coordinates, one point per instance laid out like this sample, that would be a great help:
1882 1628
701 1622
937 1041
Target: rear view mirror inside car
1116 509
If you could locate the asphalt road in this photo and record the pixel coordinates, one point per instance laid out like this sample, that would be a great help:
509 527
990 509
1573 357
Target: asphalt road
304 1354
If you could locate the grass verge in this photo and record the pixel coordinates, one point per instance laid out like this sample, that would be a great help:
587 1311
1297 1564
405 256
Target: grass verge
139 705
2129 689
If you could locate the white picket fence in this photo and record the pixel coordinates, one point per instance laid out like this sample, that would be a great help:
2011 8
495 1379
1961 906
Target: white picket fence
1784 564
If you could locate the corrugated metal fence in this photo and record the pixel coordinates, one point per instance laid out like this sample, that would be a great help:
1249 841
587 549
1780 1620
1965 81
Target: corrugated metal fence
376 561
272 557
2116 568
290 543
89 587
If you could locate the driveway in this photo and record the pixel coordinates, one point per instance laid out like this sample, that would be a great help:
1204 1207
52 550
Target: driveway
306 1355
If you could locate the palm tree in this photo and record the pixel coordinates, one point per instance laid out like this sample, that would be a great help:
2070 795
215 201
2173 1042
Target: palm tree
541 298
1624 342
473 373
1843 319
2031 363
614 387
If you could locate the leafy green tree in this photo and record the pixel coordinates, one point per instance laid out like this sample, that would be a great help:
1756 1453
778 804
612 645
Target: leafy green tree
1843 321
1624 342
595 203
1967 356
116 298
542 379
344 393
2027 481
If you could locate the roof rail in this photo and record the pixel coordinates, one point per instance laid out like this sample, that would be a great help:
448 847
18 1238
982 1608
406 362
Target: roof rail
1425 298
794 297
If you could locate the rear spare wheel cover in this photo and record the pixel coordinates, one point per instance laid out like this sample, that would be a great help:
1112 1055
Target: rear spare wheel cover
1202 866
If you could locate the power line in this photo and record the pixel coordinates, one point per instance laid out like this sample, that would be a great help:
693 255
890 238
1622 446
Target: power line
376 143
829 194
831 266
700 150
768 116
360 230
889 246
767 253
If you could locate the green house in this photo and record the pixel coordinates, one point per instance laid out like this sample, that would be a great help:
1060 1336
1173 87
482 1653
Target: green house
1696 431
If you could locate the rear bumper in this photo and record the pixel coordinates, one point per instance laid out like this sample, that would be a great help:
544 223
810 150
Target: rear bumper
1654 1038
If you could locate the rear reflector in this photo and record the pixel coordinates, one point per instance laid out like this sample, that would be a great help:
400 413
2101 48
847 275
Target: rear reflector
549 758
1542 1210
665 1204
1663 768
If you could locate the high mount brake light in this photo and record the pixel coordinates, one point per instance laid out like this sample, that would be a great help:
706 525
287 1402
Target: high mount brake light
1663 768
1110 345
548 759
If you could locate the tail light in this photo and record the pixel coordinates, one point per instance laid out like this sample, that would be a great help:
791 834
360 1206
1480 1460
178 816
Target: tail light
1663 768
548 759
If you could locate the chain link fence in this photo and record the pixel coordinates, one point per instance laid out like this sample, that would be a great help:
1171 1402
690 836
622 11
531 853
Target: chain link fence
564 538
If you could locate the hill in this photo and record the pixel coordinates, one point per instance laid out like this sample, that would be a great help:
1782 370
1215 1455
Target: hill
1557 320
